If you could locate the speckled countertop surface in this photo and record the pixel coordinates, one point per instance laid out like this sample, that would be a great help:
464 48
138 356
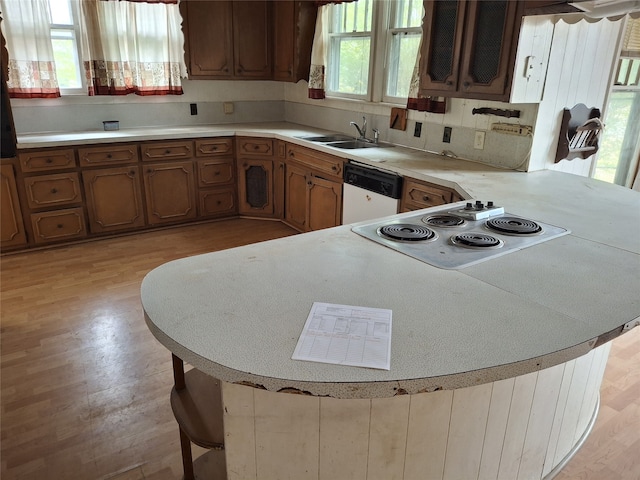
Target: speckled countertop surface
237 314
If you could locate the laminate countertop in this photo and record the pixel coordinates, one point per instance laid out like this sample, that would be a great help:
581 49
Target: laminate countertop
237 314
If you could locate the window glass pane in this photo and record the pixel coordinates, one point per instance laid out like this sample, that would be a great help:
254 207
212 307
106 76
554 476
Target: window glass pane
351 74
61 12
407 13
352 17
65 56
402 59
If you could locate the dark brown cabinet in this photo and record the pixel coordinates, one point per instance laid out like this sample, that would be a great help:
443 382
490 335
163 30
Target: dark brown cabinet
12 232
469 48
293 30
216 174
114 199
255 176
228 39
313 189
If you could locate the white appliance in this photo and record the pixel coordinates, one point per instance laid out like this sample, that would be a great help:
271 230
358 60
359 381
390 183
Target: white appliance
369 193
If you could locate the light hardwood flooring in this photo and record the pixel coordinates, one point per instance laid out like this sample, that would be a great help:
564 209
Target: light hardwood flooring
85 386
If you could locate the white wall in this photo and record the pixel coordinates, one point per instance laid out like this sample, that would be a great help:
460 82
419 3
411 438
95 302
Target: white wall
580 66
254 101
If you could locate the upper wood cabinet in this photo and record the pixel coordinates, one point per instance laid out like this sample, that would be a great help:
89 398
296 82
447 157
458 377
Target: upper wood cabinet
227 39
469 48
293 29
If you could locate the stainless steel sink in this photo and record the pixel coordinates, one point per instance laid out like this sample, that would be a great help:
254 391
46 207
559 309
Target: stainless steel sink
352 144
328 138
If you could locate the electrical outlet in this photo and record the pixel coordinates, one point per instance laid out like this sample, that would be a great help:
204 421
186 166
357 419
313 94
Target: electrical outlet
478 141
417 131
228 107
512 129
446 136
194 108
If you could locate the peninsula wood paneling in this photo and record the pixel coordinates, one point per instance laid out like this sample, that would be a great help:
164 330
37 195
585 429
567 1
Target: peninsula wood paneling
517 428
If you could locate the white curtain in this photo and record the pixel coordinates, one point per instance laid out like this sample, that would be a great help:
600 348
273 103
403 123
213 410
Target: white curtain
26 28
319 55
132 48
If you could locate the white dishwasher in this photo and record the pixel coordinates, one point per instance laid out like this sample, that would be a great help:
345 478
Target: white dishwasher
369 193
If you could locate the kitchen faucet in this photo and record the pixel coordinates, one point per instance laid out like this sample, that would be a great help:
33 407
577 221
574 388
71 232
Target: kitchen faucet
362 131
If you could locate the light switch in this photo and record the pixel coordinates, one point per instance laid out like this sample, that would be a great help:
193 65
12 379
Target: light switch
478 142
228 107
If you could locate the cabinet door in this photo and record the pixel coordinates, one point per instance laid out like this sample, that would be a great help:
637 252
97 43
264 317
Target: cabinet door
12 233
252 39
489 42
441 46
296 189
209 38
255 187
169 190
217 202
47 160
417 195
324 204
284 32
114 199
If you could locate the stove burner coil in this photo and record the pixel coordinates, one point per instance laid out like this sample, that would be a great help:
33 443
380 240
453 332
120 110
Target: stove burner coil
444 221
513 226
407 232
476 240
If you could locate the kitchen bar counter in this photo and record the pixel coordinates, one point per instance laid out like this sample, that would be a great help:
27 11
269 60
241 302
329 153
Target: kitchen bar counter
500 362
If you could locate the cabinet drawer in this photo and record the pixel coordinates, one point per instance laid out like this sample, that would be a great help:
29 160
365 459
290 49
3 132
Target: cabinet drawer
217 202
167 150
318 161
215 172
422 195
108 155
248 146
214 146
53 190
58 225
47 160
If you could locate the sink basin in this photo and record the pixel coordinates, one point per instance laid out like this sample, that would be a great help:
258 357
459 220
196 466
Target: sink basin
352 144
327 138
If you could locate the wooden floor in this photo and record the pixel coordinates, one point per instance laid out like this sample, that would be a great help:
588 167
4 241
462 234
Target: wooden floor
85 386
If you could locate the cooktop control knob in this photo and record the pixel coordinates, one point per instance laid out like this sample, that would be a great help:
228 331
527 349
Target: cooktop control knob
479 205
489 204
469 206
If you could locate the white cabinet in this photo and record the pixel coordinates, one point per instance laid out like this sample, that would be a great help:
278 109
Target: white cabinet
532 59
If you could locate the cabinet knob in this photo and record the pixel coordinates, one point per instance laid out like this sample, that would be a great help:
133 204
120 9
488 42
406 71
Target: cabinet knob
217 172
109 155
425 198
48 160
214 148
150 170
334 168
466 84
167 151
60 225
132 173
54 190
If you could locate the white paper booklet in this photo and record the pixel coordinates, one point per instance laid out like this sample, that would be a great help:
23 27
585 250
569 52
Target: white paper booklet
346 335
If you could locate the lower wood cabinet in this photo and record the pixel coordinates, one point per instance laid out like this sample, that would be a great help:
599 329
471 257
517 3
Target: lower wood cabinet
114 199
255 187
417 195
311 202
170 192
58 225
50 191
12 232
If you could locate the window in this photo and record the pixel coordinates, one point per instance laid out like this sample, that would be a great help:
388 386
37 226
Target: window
619 152
65 47
373 46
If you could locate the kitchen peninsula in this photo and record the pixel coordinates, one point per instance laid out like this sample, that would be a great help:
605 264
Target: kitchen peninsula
495 368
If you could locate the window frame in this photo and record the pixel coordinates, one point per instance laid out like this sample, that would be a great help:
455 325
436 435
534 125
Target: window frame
74 31
381 35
